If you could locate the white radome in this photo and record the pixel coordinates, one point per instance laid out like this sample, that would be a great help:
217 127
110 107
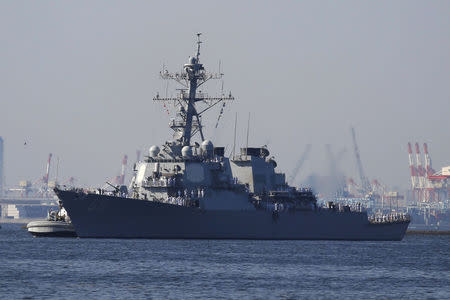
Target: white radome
153 151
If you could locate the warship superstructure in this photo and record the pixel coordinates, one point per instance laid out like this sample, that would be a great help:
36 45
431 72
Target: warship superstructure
188 188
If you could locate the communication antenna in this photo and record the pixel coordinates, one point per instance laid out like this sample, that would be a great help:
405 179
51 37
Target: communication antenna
167 88
57 170
192 102
234 141
222 95
248 130
221 77
198 44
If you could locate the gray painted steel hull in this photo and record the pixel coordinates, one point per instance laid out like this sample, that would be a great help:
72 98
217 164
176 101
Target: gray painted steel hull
101 216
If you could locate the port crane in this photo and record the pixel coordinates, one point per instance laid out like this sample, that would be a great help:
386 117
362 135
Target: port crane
300 163
365 184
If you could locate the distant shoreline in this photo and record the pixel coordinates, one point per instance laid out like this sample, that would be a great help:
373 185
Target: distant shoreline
429 232
18 221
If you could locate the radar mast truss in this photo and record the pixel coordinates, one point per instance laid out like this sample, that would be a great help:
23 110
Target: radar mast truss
188 122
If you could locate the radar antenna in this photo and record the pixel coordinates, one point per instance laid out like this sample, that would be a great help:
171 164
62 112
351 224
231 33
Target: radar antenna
191 103
198 45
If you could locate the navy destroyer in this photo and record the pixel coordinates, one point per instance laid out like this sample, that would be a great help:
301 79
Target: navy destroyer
187 188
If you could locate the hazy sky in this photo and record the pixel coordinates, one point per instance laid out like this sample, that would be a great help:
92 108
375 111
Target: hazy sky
77 79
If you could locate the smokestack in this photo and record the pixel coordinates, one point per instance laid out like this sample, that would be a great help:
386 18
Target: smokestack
1 166
138 155
47 172
124 166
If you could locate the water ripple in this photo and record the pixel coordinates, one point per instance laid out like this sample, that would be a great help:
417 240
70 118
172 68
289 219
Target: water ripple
36 268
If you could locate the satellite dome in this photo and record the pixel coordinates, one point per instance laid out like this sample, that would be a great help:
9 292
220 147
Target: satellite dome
207 148
186 152
207 145
153 151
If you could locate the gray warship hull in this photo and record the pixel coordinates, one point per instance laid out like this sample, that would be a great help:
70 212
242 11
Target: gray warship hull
103 216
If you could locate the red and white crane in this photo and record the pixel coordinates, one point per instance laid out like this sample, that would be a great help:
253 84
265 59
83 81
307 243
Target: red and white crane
426 183
412 168
365 184
429 168
420 169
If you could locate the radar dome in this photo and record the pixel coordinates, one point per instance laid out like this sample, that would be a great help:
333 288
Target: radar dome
154 151
207 148
207 145
186 152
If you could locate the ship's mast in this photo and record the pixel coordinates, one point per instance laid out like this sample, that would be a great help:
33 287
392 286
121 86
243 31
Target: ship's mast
193 70
192 77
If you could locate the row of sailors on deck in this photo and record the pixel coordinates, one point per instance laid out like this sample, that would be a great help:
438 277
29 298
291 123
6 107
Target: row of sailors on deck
280 207
182 200
358 207
195 193
288 189
277 206
170 181
177 200
162 181
389 218
186 198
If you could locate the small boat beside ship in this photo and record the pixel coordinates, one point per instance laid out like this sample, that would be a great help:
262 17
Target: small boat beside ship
57 224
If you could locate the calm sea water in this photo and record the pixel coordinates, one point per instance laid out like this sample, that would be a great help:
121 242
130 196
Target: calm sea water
416 268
